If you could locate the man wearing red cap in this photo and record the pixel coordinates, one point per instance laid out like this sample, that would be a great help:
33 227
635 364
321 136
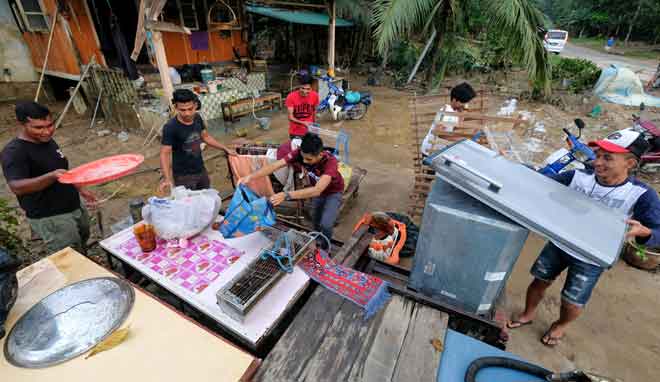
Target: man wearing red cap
610 184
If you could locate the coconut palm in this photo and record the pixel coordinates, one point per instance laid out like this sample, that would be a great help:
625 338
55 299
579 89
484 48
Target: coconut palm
516 21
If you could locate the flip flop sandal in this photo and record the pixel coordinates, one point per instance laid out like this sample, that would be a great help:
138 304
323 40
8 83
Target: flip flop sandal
549 340
515 324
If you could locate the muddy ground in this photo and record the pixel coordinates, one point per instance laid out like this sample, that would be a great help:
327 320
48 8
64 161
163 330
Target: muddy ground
616 336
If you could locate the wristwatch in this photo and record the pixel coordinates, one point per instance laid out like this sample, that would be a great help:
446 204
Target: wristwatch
287 196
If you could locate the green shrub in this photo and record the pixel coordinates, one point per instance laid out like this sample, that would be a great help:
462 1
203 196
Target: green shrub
582 74
9 237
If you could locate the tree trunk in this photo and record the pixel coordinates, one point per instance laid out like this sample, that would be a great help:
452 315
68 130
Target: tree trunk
434 63
633 21
581 32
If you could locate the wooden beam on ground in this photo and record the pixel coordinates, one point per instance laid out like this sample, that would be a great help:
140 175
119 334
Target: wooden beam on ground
92 61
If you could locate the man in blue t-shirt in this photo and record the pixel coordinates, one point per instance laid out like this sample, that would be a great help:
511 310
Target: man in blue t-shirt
181 159
611 185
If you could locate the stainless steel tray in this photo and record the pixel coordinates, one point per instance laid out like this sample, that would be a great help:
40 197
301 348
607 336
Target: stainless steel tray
69 322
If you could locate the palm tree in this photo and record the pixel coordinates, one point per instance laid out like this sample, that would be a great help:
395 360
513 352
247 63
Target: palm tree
516 21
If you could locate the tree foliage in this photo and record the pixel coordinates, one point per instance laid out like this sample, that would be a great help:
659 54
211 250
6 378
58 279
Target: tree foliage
514 24
606 17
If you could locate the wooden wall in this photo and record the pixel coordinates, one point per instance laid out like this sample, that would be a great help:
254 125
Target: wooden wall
179 51
73 38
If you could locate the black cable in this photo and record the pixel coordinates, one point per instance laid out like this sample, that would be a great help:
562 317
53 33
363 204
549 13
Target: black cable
507 363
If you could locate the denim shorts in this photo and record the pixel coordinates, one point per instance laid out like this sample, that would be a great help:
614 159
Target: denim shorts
580 281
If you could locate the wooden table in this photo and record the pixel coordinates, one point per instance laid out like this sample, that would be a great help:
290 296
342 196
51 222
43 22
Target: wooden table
262 319
330 341
162 345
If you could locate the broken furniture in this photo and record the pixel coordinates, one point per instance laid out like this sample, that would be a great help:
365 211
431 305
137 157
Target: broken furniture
299 207
473 125
233 110
153 348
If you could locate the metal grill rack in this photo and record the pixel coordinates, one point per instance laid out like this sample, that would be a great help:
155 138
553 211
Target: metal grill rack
240 294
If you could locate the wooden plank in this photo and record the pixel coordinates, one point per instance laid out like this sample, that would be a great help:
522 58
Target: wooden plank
377 361
163 69
419 359
302 339
342 343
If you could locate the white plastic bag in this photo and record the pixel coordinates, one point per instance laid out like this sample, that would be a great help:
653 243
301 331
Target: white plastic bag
183 215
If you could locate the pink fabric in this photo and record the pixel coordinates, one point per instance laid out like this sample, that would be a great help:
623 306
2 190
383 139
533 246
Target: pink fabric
243 165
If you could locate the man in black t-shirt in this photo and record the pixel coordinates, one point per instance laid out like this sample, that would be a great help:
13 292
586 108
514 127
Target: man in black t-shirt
181 159
31 163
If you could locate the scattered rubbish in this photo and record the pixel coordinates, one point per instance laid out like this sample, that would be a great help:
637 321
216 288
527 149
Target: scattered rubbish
103 133
527 115
508 108
123 136
122 224
596 111
112 341
534 145
539 127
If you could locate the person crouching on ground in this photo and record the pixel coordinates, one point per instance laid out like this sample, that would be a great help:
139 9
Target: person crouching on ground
181 159
32 163
611 184
327 184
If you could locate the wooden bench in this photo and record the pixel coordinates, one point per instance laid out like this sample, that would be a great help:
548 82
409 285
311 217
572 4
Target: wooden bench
232 111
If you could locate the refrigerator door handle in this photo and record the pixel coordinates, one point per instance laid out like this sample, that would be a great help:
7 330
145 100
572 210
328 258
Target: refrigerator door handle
449 160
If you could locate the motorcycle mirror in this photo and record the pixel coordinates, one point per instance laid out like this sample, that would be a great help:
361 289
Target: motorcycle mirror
580 125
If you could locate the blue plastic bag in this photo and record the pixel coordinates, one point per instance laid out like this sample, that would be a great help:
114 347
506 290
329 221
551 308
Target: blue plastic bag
246 213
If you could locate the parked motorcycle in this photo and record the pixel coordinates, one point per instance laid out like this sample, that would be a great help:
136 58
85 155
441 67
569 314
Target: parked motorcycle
578 154
344 104
650 160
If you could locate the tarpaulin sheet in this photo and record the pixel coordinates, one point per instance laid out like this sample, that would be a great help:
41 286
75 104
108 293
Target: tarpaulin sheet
297 17
622 86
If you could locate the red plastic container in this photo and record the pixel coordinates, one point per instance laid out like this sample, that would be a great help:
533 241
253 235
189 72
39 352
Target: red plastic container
102 170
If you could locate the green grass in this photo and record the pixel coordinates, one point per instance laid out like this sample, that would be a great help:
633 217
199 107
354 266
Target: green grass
598 43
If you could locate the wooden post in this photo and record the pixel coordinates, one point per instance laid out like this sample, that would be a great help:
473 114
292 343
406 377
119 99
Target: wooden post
163 68
332 12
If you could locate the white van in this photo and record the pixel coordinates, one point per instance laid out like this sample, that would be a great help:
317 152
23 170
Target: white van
555 40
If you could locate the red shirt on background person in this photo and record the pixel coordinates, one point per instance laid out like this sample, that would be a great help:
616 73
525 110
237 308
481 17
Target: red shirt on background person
301 105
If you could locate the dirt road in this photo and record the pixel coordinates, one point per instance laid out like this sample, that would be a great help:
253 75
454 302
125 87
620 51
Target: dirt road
644 68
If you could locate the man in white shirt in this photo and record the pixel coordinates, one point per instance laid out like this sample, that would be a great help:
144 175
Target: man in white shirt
459 97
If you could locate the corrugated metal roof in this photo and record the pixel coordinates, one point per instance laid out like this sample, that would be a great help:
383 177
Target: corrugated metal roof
297 17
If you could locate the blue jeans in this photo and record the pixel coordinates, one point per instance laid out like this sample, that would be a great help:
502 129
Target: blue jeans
325 209
580 281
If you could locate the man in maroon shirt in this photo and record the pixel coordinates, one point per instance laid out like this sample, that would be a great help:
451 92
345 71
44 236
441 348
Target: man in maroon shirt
327 184
301 105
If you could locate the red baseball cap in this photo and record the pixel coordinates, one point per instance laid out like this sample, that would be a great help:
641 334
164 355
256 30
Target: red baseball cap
623 141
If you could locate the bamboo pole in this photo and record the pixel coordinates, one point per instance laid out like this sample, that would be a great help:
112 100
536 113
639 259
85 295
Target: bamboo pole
50 41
